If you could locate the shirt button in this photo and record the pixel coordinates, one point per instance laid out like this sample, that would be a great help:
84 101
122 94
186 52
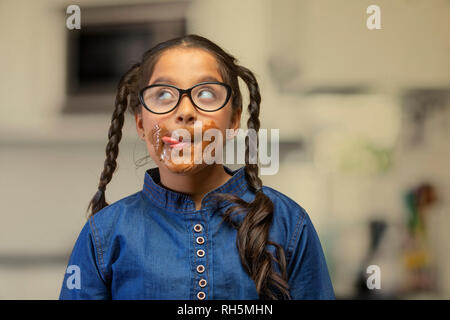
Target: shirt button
200 252
198 227
202 283
200 268
200 240
201 295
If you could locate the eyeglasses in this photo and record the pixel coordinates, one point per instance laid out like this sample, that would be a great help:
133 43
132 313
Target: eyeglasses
206 96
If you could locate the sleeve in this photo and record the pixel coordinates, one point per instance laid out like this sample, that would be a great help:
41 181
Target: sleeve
83 279
307 268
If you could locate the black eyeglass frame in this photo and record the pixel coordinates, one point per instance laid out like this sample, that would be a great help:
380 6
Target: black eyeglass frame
181 93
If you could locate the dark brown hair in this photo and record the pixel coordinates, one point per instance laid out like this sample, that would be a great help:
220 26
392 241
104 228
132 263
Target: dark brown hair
253 231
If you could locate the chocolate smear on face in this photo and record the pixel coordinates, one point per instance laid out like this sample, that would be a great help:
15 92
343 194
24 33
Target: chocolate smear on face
164 152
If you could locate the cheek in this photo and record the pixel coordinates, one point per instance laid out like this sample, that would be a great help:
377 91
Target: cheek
153 133
220 124
222 118
225 122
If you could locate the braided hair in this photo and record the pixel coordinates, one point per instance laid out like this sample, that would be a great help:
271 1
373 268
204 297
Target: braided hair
252 237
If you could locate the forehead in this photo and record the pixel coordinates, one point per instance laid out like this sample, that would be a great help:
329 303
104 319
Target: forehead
185 67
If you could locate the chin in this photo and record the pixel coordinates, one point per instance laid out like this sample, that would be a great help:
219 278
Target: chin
183 168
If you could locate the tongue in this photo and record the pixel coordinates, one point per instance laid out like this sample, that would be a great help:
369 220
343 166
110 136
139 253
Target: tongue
169 140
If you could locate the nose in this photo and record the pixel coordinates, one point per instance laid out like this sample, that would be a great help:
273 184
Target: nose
186 113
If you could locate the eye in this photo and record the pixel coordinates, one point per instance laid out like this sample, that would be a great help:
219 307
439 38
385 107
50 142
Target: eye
206 94
164 94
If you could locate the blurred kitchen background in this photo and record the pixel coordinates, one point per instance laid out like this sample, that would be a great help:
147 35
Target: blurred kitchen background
364 119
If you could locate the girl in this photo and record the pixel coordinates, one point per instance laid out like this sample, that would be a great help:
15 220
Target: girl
167 241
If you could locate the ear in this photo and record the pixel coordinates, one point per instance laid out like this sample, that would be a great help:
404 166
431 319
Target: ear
236 120
139 125
235 123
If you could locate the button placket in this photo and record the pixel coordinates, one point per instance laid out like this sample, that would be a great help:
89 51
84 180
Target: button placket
200 253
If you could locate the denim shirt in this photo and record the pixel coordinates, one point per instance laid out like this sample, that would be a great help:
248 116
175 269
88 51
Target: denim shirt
154 244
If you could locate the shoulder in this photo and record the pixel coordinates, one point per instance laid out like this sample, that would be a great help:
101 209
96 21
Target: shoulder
285 205
289 216
104 223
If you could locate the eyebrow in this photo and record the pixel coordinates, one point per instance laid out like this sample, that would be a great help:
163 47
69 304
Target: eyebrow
169 80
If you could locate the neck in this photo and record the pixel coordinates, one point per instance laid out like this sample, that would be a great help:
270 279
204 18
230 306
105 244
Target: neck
197 184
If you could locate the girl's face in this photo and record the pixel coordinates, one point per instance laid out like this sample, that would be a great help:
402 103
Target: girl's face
184 68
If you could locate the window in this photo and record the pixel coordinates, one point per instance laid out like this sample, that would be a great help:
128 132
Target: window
109 41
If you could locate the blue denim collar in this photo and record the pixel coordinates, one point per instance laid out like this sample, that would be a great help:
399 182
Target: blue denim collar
176 201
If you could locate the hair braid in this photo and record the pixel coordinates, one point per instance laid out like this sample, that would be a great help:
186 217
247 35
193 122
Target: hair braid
253 123
98 202
253 233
